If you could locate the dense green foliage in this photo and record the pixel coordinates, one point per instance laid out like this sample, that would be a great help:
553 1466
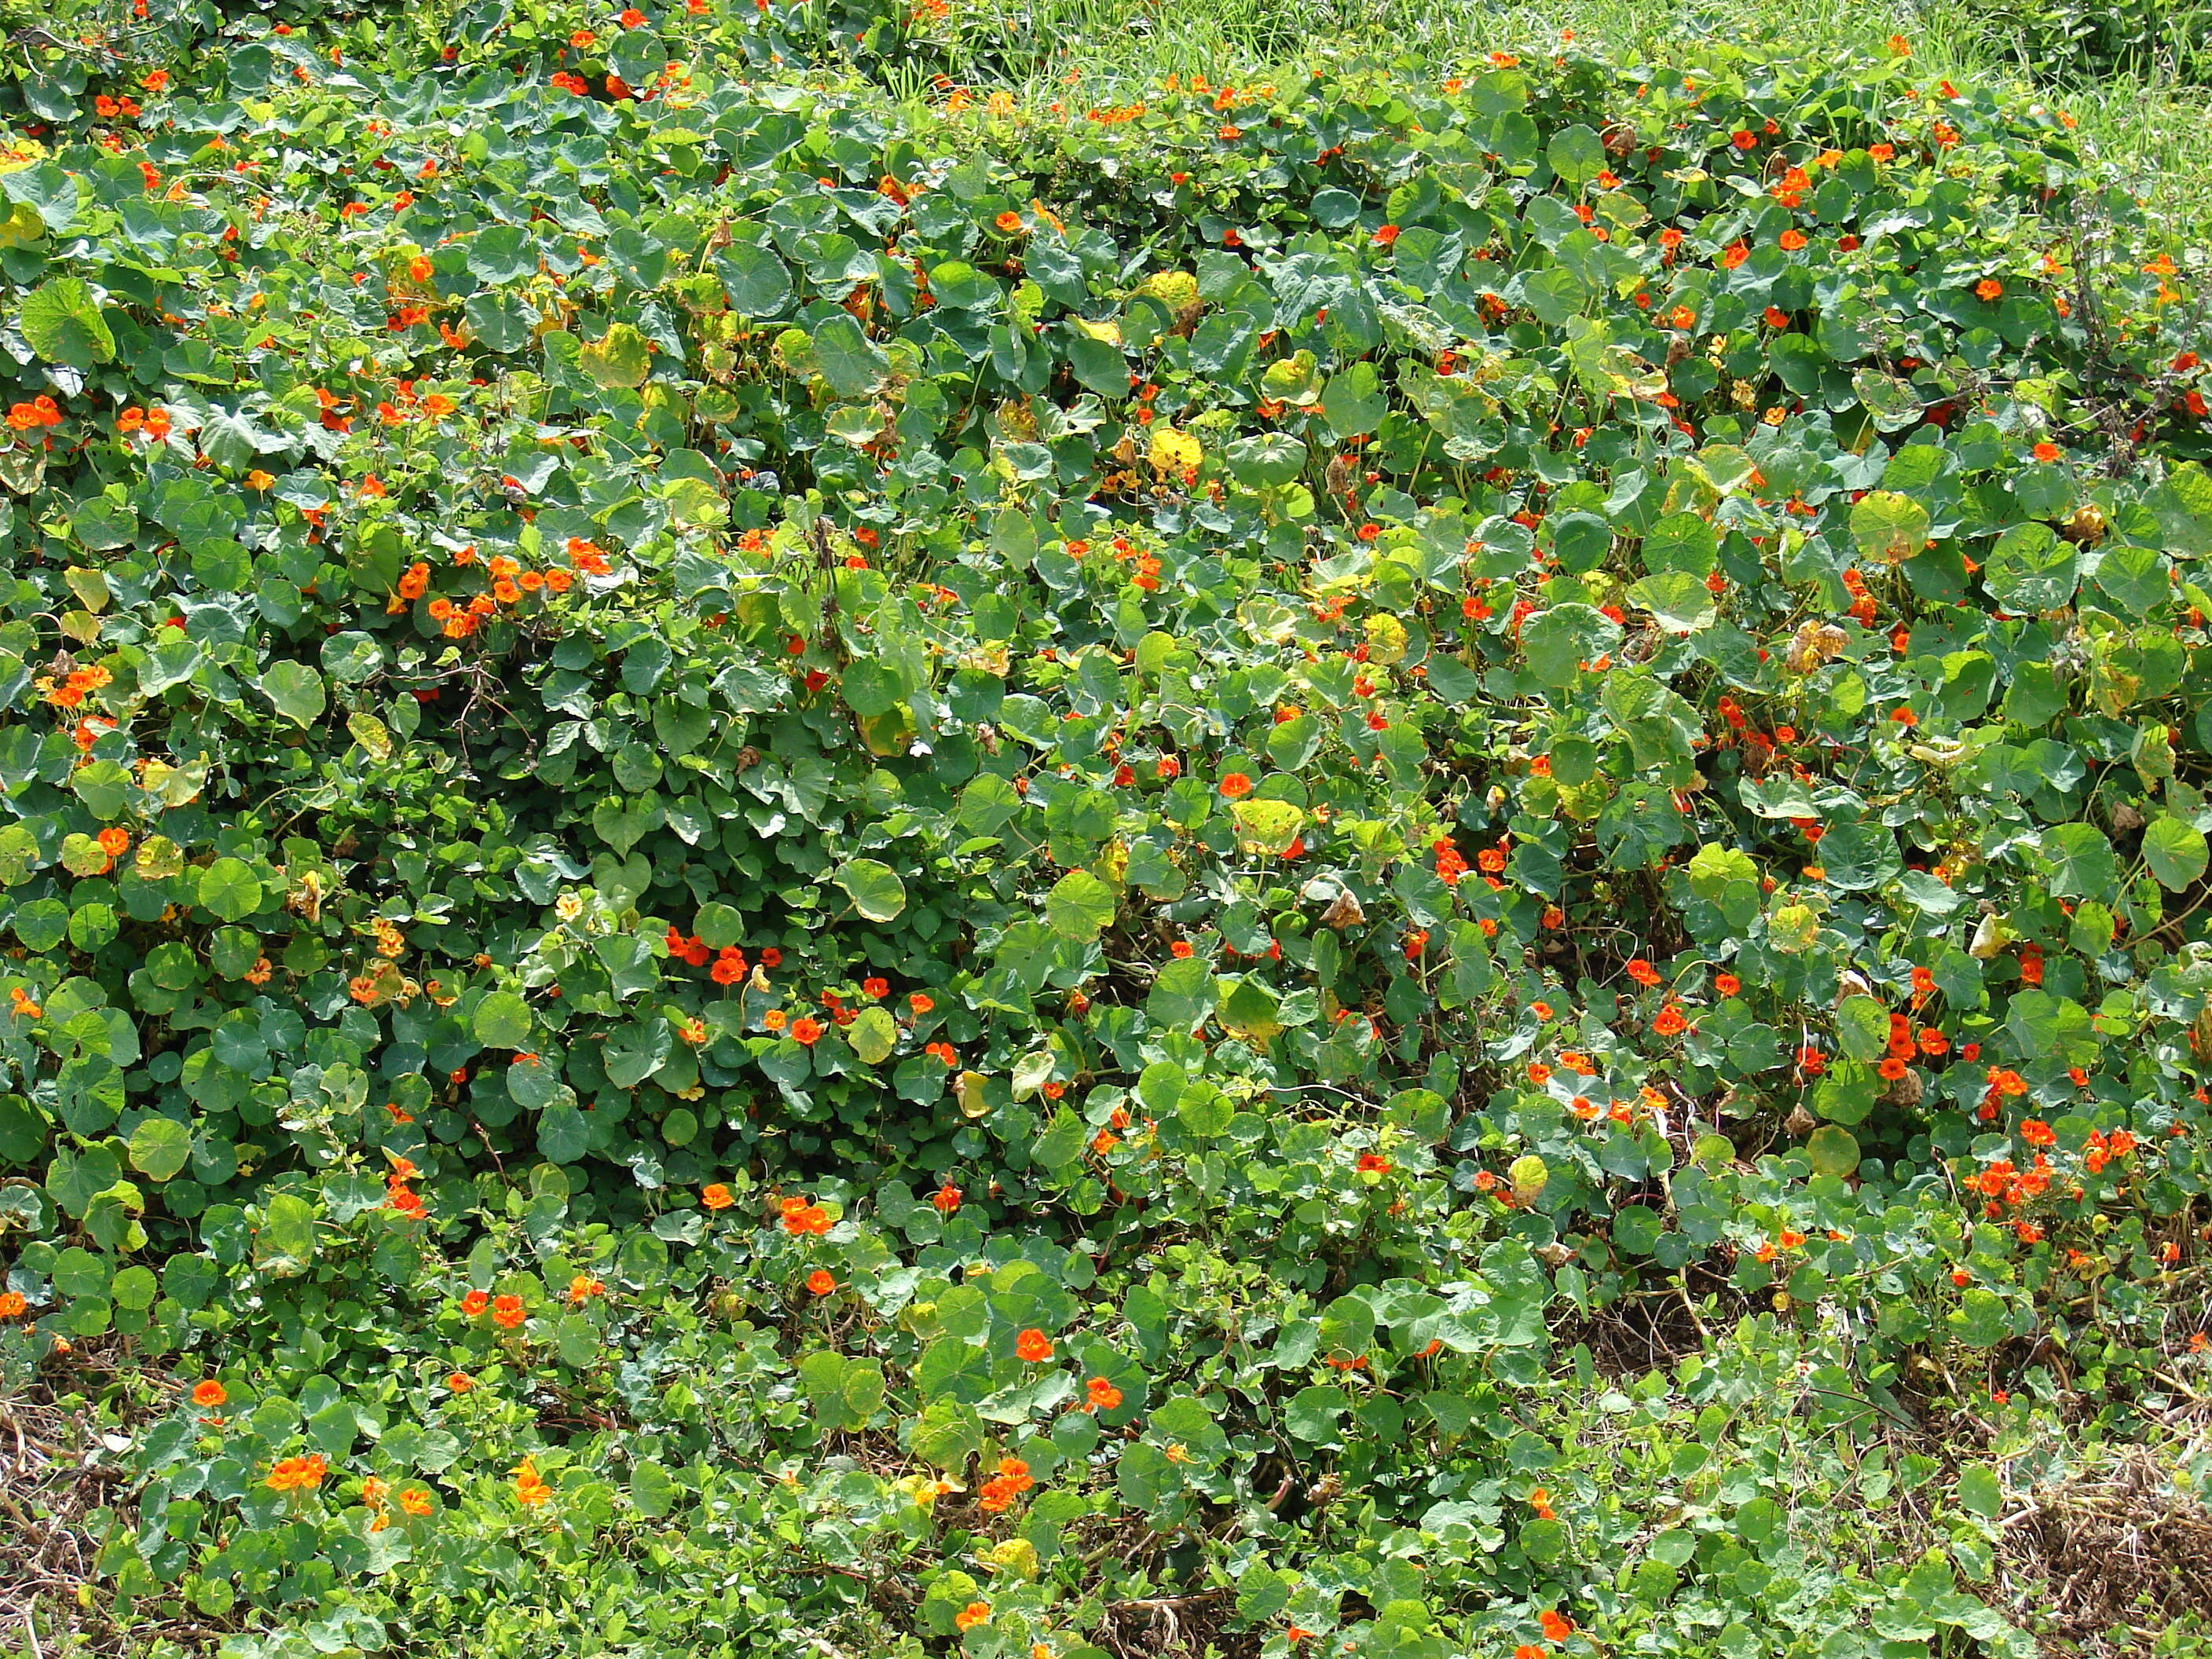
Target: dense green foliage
2065 40
1441 837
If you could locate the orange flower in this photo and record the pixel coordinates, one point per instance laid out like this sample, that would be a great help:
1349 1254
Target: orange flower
414 1501
806 1030
1235 786
475 1303
821 1281
920 1003
975 1613
297 1474
1103 1395
1989 288
1670 1022
459 1382
583 1287
2046 450
507 1312
209 1393
1733 255
114 841
1727 984
12 1305
1641 971
1556 1625
1033 1345
946 1199
716 1196
529 1486
1792 240
1009 222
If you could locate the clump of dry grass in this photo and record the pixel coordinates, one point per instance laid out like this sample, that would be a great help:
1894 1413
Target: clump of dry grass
61 1490
2111 1559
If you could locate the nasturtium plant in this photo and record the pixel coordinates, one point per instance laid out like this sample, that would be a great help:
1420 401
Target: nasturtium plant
1391 861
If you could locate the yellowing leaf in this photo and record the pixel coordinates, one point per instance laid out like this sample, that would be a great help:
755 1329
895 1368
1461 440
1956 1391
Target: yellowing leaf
1386 639
158 858
1176 289
1266 826
969 1089
1174 450
23 226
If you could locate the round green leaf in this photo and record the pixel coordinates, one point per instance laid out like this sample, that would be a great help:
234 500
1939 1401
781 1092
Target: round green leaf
502 1020
2175 851
875 889
1079 906
230 888
1889 528
871 1036
160 1148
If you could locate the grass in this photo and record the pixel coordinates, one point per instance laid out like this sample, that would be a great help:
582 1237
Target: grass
2155 128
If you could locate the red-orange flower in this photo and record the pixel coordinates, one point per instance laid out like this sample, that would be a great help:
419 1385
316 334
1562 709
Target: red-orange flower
1033 1345
209 1393
297 1474
821 1281
507 1312
1235 786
